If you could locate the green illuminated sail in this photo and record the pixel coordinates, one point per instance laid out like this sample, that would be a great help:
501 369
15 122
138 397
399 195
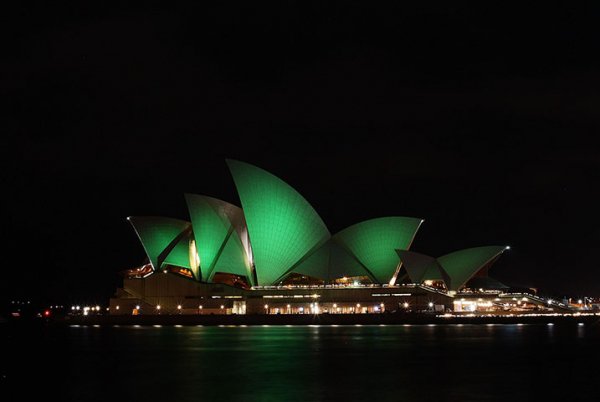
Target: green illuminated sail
219 247
331 261
180 254
232 259
374 242
463 264
344 264
283 227
159 236
317 264
420 267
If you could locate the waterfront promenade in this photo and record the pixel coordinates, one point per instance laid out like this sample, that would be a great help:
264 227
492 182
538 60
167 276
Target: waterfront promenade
329 319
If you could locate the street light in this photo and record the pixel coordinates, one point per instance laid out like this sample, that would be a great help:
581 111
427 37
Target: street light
266 309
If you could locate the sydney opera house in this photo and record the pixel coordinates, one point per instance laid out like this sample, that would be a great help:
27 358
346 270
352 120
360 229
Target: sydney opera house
275 255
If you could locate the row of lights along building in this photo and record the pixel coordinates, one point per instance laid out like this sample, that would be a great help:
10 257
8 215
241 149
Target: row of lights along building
171 294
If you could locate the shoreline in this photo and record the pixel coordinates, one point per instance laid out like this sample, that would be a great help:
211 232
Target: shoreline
324 319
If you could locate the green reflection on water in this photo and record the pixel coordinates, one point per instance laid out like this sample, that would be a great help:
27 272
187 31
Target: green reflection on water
318 363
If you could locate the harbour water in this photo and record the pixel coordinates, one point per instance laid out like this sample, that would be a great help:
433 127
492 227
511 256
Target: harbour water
507 362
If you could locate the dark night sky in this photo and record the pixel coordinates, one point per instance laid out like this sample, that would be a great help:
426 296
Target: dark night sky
480 119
